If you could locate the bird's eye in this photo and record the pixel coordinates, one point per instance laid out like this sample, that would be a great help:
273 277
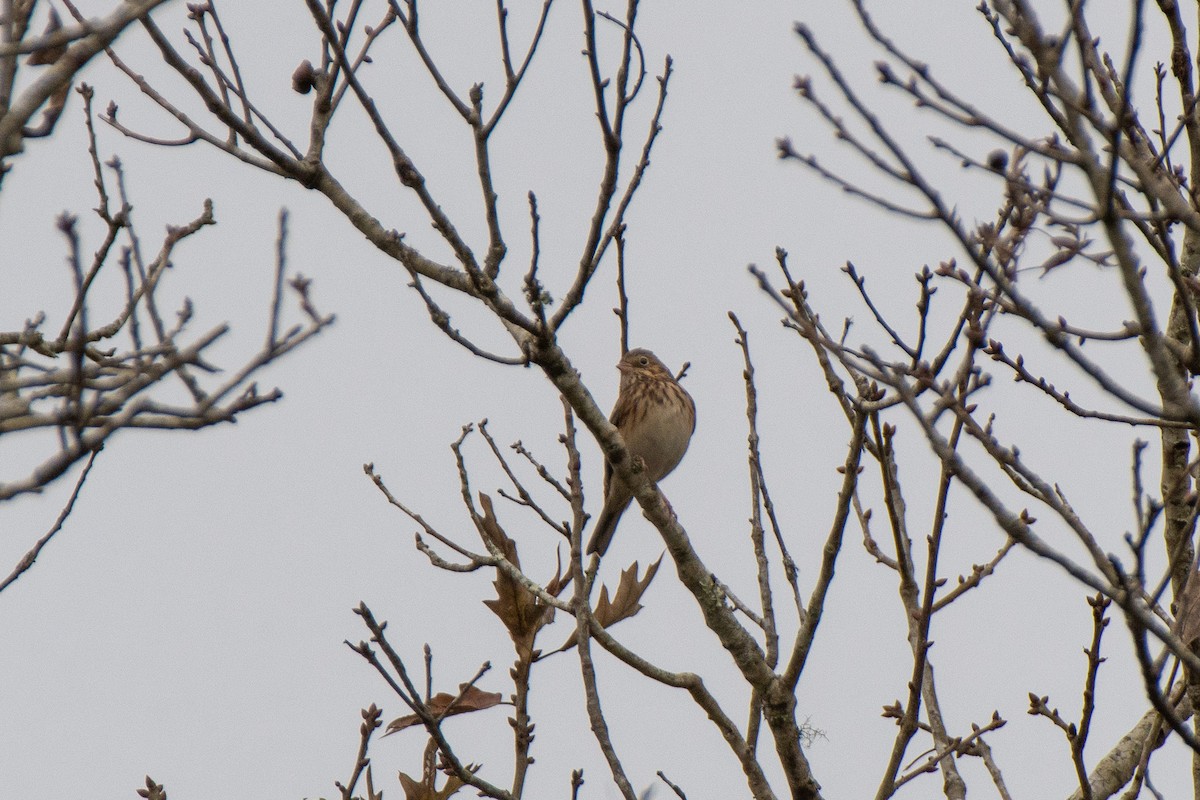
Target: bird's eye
645 362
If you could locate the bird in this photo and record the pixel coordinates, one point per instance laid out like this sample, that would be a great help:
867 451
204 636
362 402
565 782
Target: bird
656 417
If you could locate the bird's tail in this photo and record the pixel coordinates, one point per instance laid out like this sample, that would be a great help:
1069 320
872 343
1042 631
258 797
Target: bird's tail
606 526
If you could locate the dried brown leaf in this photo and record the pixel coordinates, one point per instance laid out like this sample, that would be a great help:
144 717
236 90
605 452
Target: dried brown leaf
625 602
48 55
153 791
629 591
421 790
522 613
304 79
473 699
556 584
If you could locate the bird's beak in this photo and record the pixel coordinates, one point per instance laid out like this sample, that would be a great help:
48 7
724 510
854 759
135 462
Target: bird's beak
623 367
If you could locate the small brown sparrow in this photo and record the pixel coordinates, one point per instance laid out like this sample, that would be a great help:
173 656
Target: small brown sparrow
656 417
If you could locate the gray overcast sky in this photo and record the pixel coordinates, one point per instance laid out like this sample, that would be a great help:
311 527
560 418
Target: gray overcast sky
189 620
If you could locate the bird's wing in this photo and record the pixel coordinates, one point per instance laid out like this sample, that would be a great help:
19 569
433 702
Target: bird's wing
618 417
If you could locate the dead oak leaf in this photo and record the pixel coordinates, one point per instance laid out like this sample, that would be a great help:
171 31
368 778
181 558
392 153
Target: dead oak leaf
444 704
48 55
426 790
522 612
625 603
